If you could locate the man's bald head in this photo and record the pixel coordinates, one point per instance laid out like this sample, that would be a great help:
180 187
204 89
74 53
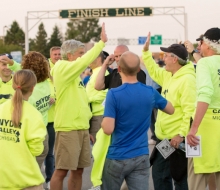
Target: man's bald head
129 64
119 50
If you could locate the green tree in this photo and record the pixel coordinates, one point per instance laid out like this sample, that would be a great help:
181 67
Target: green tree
15 35
41 41
4 48
83 30
32 44
56 38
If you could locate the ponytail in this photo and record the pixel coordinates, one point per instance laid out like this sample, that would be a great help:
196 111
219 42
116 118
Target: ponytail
23 83
17 101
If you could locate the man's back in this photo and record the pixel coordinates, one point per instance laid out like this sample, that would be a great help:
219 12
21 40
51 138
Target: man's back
131 106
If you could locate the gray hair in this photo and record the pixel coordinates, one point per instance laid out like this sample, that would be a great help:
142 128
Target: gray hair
214 45
180 60
70 46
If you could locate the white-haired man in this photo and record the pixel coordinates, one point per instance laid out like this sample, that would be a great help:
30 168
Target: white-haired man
72 113
206 120
178 86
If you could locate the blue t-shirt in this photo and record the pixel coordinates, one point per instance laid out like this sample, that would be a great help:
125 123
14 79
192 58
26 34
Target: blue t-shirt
131 106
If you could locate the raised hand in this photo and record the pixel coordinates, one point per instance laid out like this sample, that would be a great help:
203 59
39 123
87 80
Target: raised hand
147 43
104 37
109 60
4 59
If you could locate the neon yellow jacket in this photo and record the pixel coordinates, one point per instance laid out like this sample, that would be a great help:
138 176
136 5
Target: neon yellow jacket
96 97
41 95
208 81
19 147
51 111
72 111
208 91
180 90
99 153
6 90
51 63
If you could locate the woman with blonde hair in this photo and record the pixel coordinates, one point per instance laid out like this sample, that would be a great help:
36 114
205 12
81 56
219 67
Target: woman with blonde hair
21 137
40 97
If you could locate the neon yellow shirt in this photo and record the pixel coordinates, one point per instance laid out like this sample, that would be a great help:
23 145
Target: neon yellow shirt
51 63
19 147
208 91
6 90
72 110
180 90
96 97
41 95
51 111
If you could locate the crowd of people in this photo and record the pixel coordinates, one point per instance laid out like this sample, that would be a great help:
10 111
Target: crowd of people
54 120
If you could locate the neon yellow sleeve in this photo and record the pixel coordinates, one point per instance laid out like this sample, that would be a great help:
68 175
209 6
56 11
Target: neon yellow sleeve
204 86
35 136
71 70
156 73
15 67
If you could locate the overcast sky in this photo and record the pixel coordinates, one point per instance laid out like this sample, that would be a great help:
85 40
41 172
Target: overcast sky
202 15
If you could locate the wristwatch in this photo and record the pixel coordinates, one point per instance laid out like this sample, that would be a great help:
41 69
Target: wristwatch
181 136
194 51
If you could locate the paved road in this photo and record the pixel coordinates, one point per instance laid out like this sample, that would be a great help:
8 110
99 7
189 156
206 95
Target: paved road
87 183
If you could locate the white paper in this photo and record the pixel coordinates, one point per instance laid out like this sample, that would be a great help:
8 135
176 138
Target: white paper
193 151
165 148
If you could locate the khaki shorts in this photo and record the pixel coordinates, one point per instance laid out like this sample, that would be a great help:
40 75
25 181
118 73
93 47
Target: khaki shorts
72 150
95 125
38 187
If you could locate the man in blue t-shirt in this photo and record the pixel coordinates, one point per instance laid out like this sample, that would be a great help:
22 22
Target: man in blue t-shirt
127 118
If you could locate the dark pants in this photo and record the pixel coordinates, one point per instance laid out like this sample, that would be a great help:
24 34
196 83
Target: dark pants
161 175
152 125
49 161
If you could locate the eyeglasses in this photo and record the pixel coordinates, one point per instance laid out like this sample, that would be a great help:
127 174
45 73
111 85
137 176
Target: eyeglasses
166 55
201 42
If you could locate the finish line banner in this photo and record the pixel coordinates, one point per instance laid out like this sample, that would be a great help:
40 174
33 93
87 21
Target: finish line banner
111 12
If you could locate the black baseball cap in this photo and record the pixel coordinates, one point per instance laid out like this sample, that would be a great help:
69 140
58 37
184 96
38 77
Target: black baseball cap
212 34
106 54
200 38
177 49
8 55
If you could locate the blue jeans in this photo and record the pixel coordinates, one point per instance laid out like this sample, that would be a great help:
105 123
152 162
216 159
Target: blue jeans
134 171
161 175
49 161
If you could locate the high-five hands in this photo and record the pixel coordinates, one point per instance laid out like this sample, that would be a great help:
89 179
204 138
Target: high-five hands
104 37
147 43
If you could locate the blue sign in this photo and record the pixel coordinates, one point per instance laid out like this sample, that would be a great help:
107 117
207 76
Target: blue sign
142 40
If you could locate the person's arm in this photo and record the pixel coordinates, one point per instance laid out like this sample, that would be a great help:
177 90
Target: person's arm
70 70
108 122
12 64
156 73
205 91
108 125
201 109
100 80
98 98
190 48
169 109
35 136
